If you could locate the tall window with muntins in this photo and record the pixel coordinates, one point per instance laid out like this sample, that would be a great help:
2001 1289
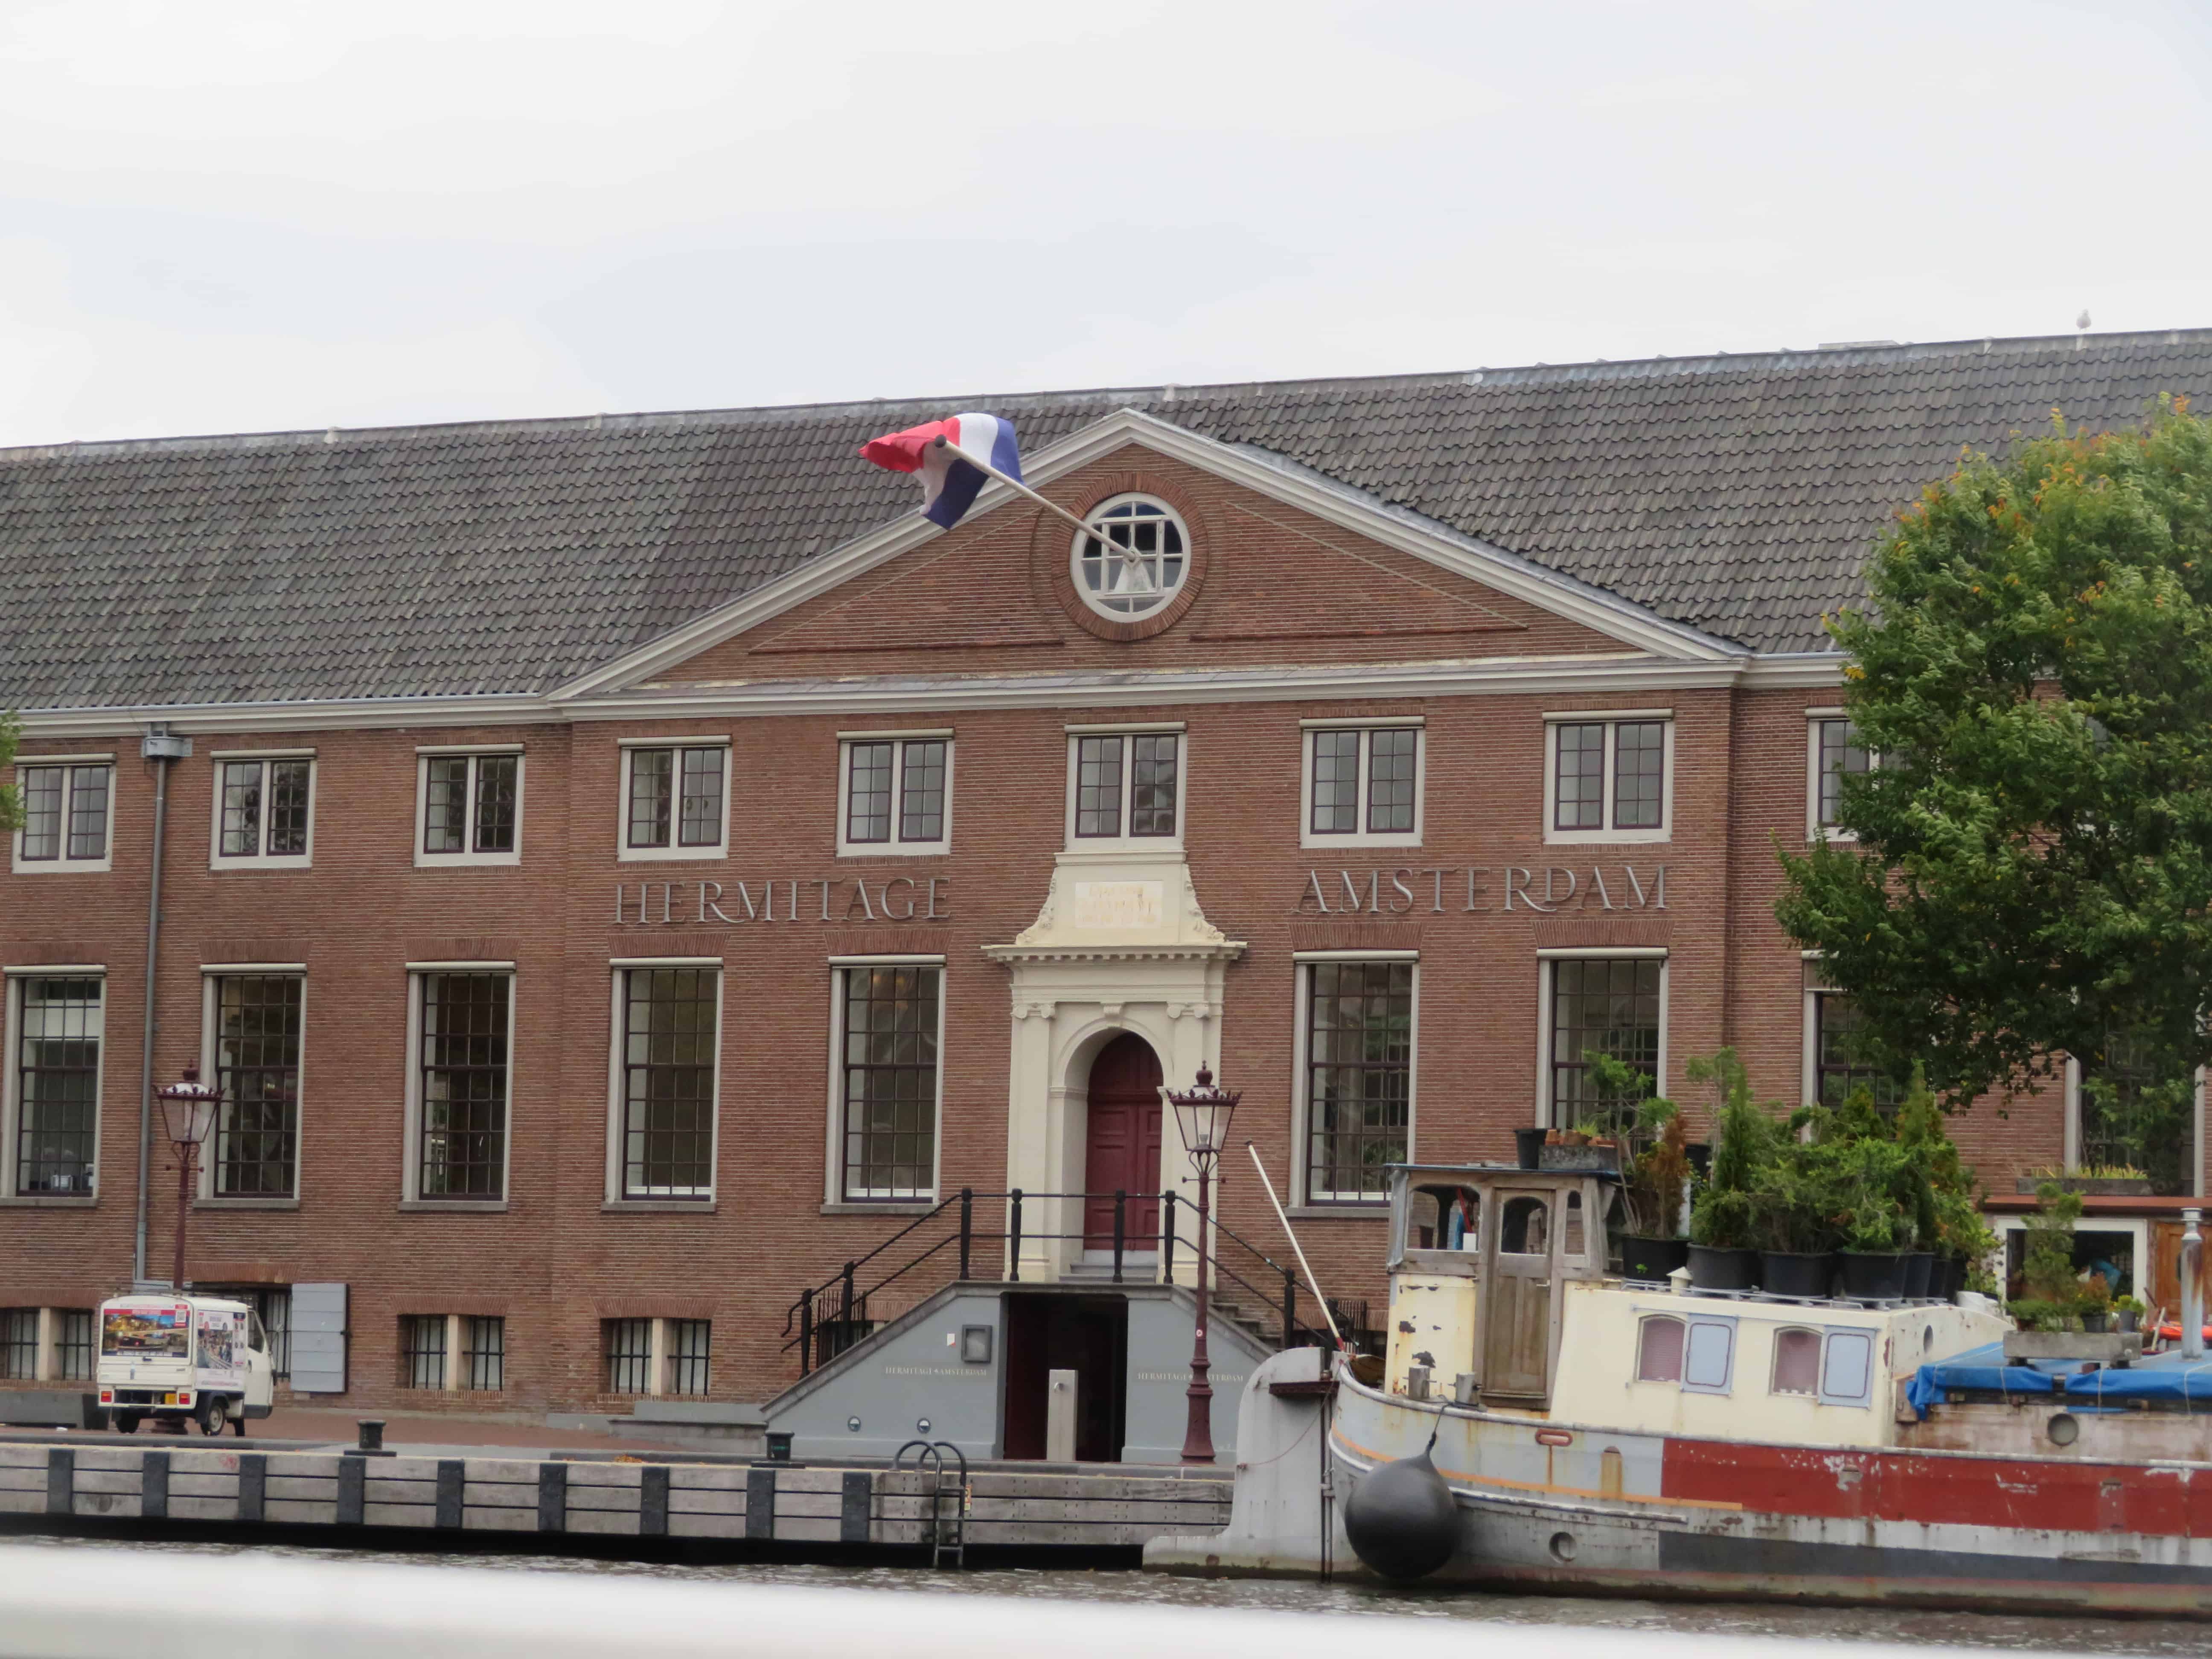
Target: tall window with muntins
464 1085
73 1345
627 1345
265 807
484 1354
1611 1007
1133 560
1360 1077
422 1351
57 1086
65 814
256 1049
669 1034
1841 755
895 791
470 804
1127 784
675 798
2130 1118
19 1342
890 1075
1609 777
690 1344
1363 781
1840 1062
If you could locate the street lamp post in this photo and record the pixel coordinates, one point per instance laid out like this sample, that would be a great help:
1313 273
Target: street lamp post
188 1110
1201 1115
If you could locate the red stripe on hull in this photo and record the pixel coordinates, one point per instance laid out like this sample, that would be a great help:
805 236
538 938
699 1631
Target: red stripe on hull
1965 1491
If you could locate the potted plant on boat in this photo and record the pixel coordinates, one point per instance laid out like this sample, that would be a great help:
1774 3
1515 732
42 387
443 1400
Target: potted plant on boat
2096 1304
1724 1221
1798 1202
2127 1312
1655 1181
1877 1228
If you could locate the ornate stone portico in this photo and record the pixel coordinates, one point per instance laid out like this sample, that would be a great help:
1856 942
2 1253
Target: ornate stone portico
1120 944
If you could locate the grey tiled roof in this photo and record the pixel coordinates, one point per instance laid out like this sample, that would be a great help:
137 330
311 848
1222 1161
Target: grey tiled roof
1739 495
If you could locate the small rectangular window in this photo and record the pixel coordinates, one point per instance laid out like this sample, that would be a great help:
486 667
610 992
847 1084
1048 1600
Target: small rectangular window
676 805
689 1341
471 808
19 1343
1126 786
1363 785
669 1031
1837 754
1847 1368
422 1351
898 791
629 1351
1709 1356
1796 1362
61 1028
1659 1351
889 1072
73 1345
484 1357
65 816
258 1024
1609 779
1839 1057
264 810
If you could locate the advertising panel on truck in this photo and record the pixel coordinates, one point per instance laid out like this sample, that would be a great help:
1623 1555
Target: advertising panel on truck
146 1332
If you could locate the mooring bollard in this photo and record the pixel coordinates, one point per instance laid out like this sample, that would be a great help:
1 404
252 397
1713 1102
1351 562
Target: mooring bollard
372 1434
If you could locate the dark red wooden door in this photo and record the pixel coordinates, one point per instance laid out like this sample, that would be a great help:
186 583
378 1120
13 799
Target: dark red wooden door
1123 1145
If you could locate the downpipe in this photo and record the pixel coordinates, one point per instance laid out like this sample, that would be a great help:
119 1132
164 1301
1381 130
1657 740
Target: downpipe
159 747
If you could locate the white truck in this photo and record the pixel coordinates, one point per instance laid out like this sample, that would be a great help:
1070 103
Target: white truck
182 1359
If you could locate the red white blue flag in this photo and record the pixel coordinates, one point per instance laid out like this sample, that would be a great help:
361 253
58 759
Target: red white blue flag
946 453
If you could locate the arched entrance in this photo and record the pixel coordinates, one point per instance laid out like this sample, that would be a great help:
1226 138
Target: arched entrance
1121 1144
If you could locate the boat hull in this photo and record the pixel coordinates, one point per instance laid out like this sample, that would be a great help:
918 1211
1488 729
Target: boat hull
1587 1510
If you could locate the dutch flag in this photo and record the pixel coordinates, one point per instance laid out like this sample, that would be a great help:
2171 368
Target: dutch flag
953 456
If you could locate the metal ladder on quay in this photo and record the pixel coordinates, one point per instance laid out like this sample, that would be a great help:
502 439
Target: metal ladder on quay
948 1528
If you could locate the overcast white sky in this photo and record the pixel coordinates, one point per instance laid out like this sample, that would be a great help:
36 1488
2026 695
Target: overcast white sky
235 215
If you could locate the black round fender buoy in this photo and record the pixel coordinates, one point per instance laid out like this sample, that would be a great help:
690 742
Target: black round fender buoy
1401 1519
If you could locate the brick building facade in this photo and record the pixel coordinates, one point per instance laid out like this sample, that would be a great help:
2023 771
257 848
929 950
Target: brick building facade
625 870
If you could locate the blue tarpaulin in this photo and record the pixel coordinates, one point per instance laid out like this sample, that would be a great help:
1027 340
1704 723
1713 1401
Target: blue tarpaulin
2164 1376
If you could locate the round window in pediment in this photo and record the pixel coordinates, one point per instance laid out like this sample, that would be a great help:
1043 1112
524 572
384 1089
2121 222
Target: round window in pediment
1133 560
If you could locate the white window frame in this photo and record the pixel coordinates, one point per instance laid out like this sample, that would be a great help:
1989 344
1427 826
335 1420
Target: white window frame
675 851
1872 1337
833 1194
692 1199
2072 1156
2137 1229
1301 963
11 1033
1727 1324
210 1014
411 1161
1308 836
265 859
1612 720
1124 842
893 848
473 753
1544 1000
63 862
1102 534
1815 829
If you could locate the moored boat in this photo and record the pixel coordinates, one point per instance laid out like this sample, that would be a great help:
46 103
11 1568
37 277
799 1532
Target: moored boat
1601 1436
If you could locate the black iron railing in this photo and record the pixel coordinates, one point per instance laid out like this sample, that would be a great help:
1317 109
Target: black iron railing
947 1246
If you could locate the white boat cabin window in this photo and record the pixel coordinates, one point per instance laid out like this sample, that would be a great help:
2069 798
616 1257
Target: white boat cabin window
1659 1351
1709 1356
1796 1362
1847 1373
1524 1227
1445 1218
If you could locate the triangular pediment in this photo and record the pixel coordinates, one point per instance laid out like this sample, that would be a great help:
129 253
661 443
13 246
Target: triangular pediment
1302 561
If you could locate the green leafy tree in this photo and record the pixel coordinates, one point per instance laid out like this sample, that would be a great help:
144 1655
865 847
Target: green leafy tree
2032 871
11 800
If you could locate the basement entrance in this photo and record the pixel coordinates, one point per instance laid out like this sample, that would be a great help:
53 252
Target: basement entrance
1087 1334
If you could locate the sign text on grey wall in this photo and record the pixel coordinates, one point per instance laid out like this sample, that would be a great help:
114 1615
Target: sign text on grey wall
1435 889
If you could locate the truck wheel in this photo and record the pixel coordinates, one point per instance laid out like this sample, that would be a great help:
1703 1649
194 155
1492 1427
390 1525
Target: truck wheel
211 1413
123 1422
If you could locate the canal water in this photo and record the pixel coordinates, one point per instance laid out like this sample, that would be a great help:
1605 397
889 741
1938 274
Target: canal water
2048 1635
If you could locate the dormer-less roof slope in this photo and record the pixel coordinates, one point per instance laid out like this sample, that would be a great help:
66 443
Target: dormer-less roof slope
1739 495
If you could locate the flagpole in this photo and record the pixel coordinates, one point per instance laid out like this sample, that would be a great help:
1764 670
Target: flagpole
981 465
